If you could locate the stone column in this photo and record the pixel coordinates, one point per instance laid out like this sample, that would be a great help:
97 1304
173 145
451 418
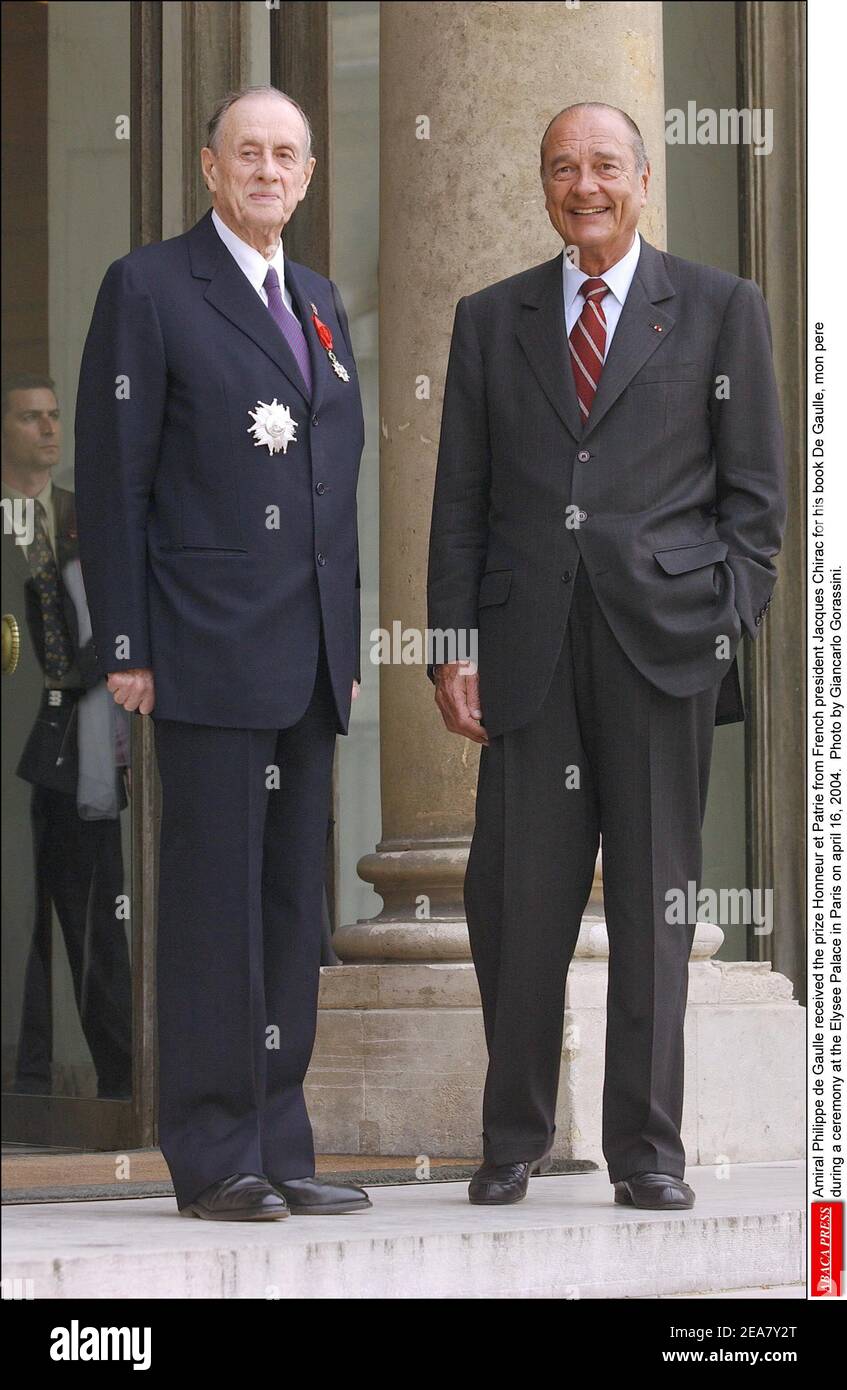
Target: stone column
466 91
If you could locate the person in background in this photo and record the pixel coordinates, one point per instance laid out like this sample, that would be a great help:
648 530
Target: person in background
78 861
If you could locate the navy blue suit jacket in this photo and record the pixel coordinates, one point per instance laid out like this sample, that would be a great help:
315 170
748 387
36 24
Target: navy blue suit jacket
204 556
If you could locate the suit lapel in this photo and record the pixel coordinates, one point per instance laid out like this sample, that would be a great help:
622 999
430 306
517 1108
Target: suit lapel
66 541
641 327
15 557
541 333
232 295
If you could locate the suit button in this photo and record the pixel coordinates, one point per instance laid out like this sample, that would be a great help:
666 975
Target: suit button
314 419
321 558
583 456
320 489
567 577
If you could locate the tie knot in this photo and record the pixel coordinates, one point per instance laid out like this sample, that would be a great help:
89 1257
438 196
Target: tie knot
593 289
271 280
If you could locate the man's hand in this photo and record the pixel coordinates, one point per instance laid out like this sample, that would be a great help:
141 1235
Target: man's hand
133 689
355 690
457 696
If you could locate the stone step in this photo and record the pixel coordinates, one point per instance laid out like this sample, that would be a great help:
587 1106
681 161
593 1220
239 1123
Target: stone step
769 1291
566 1240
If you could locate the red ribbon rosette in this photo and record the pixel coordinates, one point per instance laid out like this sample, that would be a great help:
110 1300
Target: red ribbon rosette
324 333
325 340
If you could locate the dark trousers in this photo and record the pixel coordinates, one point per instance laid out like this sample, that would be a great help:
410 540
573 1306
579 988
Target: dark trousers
611 755
79 871
242 855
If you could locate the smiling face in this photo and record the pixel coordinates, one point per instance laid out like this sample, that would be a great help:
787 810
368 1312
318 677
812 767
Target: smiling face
258 172
32 435
592 190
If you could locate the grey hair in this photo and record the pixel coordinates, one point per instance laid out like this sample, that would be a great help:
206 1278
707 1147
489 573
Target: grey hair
639 149
213 128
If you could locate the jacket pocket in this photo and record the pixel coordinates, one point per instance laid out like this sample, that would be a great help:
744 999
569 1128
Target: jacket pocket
683 558
671 371
494 588
208 550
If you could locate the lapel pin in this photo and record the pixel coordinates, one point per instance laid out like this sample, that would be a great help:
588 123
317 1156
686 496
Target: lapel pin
657 328
325 339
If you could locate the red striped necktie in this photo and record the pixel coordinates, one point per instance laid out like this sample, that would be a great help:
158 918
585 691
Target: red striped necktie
588 344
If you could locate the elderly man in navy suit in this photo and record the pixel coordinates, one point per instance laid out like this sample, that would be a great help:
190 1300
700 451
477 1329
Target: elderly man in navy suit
218 437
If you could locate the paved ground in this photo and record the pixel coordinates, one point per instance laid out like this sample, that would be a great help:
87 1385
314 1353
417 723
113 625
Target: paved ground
567 1240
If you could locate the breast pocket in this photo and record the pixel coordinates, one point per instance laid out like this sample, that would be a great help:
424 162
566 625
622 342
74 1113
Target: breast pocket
668 372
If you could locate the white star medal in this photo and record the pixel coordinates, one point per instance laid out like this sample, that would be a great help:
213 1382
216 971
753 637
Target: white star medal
273 426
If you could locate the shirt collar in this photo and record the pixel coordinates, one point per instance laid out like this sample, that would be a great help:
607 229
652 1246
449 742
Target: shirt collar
45 495
618 277
251 261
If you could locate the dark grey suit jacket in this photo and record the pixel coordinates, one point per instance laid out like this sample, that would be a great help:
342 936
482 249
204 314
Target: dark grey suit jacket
672 496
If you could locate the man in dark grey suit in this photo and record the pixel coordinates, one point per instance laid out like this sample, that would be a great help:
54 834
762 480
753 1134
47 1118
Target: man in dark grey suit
608 504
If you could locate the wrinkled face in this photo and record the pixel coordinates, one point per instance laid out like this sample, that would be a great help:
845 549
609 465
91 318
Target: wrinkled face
592 191
259 172
32 433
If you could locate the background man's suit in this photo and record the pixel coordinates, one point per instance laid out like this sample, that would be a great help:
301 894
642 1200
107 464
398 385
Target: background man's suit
253 637
599 650
77 863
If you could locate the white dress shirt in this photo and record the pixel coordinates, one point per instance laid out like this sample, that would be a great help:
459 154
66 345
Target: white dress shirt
618 277
253 263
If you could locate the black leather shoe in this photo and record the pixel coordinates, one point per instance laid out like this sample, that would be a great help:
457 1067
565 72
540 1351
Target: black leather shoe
499 1184
654 1192
314 1197
241 1197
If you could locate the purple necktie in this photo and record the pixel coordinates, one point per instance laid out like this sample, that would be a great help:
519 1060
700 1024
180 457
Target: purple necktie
289 327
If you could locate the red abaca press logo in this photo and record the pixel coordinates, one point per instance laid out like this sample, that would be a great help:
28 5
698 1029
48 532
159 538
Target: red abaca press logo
827 1249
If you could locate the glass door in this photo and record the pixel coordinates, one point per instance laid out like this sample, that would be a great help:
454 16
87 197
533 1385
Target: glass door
71 1064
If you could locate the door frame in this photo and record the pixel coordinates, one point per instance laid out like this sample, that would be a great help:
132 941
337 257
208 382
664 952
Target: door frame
771 73
89 1122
